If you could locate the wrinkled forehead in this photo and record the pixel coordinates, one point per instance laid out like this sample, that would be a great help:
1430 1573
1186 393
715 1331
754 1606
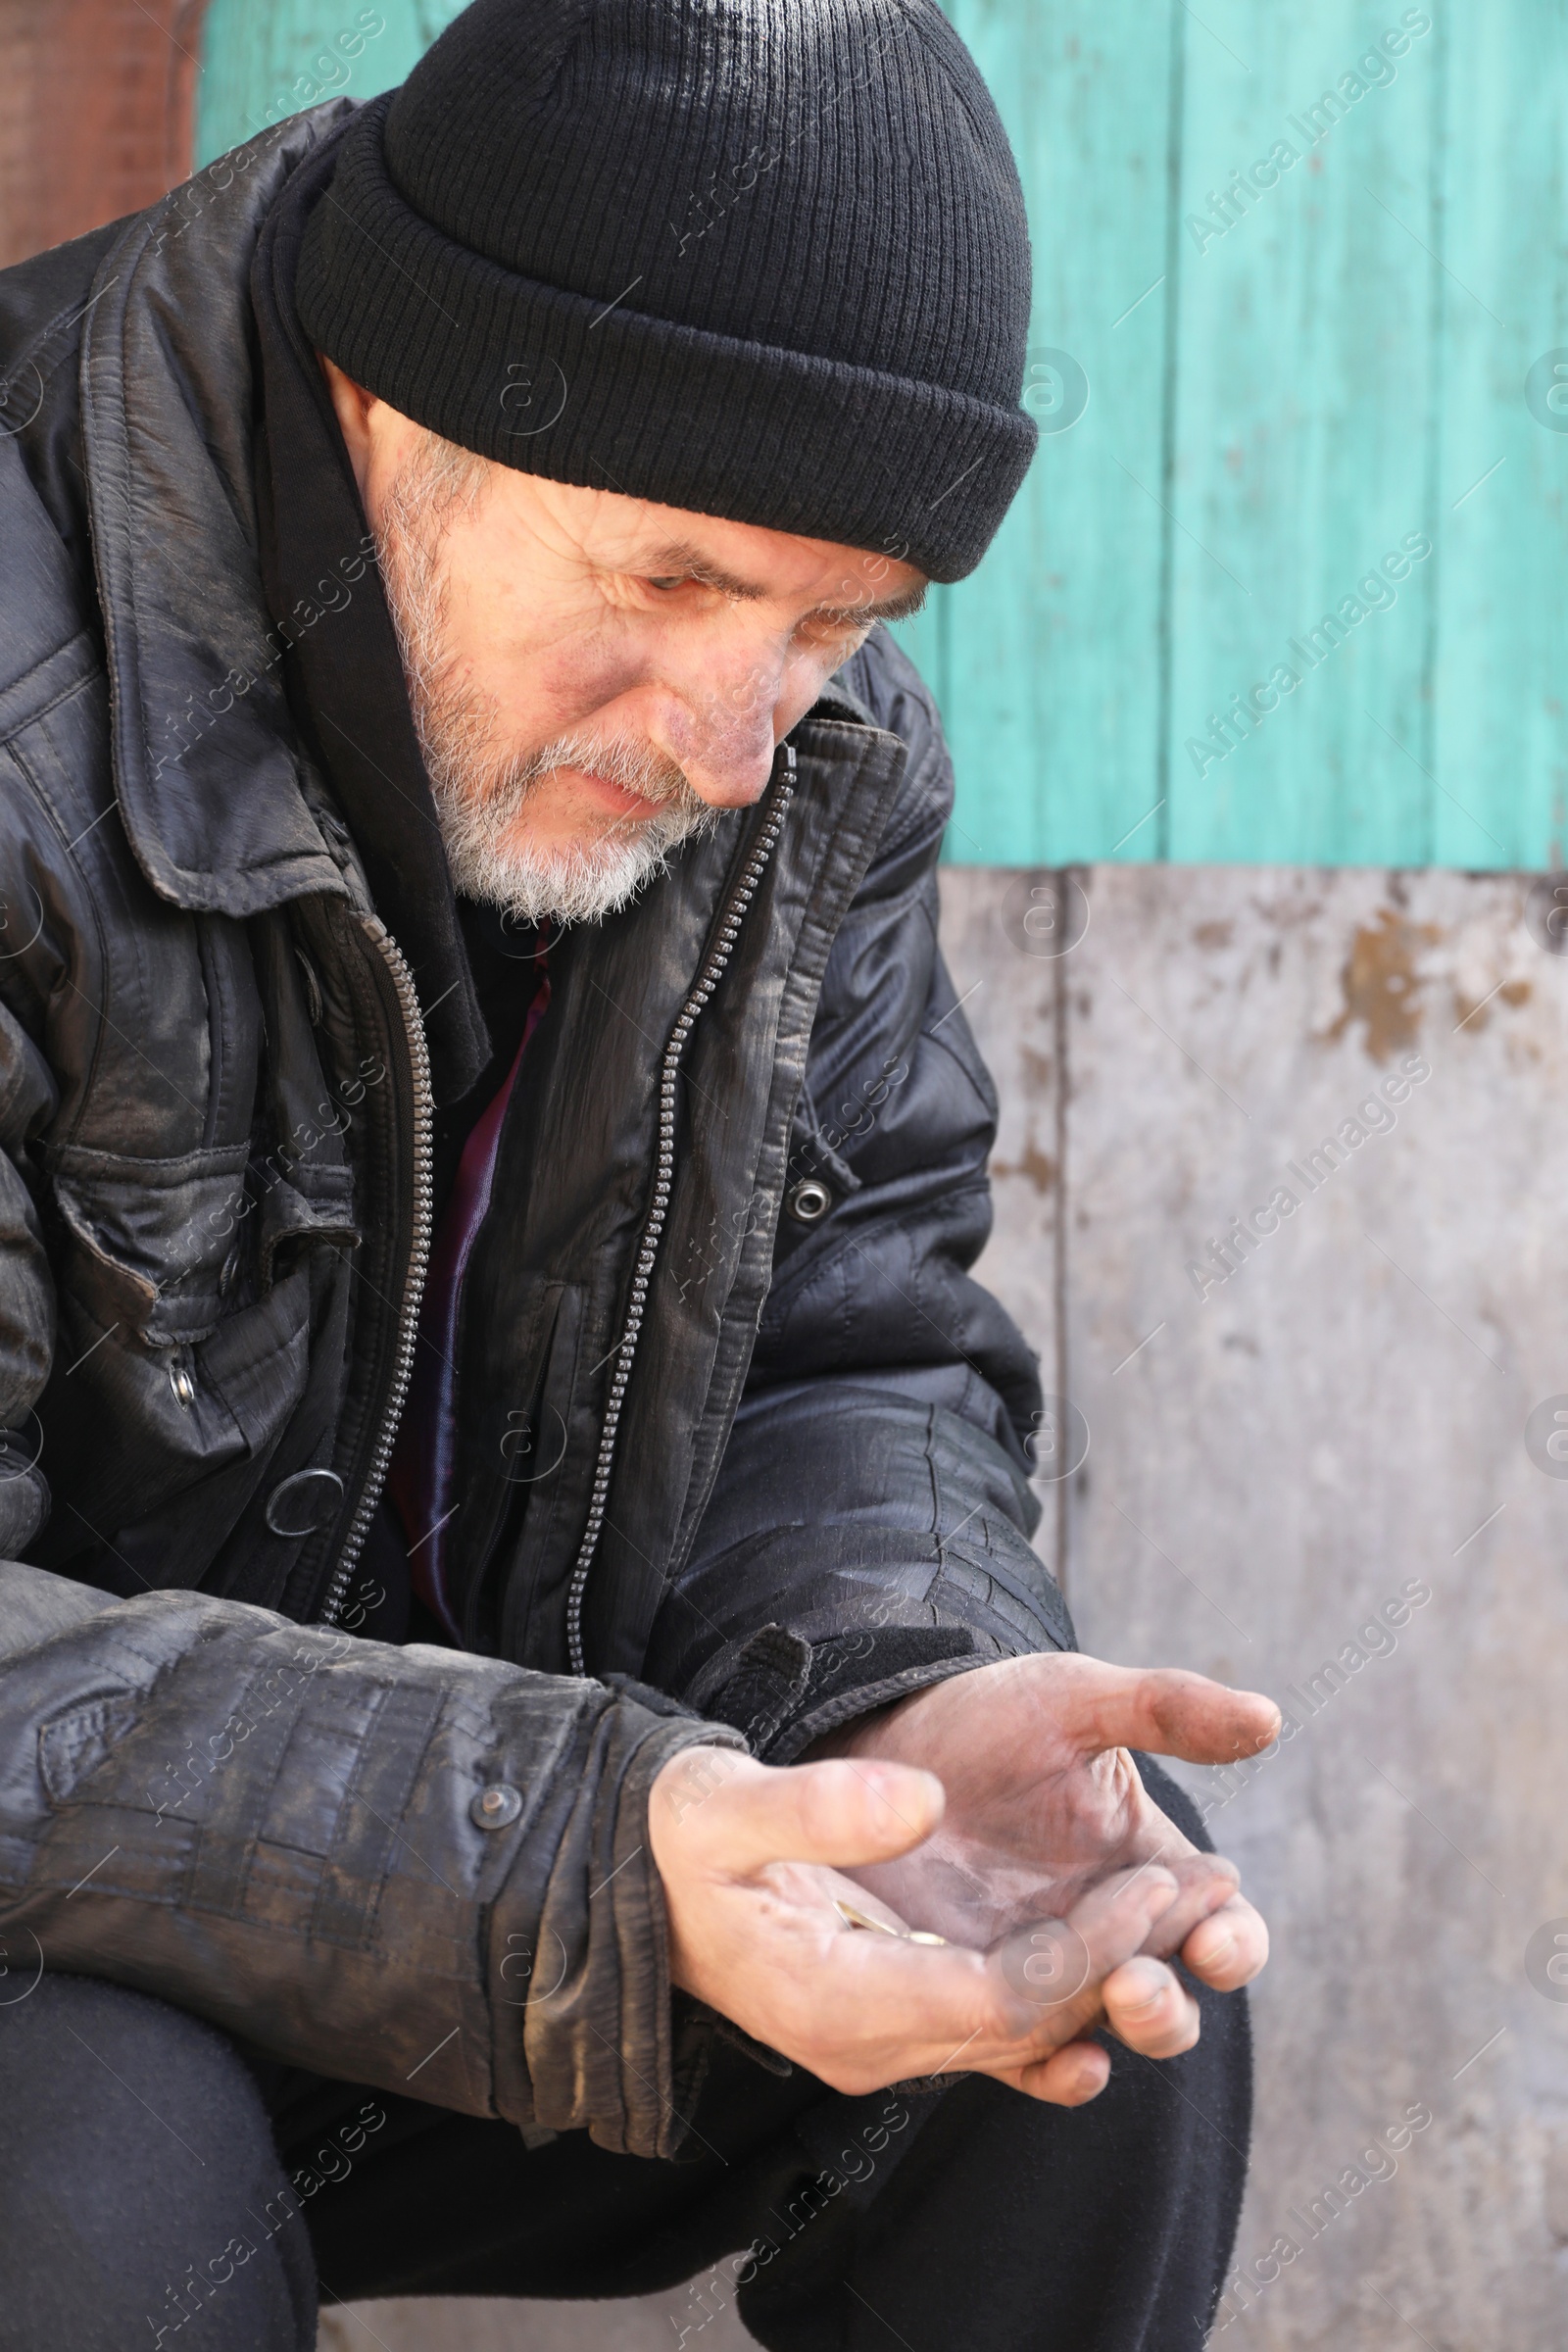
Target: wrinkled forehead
669 546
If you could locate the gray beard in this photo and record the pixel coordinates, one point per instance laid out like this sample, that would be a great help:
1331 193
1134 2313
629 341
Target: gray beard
482 789
481 795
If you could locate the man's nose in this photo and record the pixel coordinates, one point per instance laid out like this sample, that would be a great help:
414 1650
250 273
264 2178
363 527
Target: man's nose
725 734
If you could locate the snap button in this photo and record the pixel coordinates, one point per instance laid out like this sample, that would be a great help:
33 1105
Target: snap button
496 1807
310 1497
185 1388
808 1200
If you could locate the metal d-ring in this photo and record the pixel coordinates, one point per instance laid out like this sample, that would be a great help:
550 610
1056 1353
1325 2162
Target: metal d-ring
277 1503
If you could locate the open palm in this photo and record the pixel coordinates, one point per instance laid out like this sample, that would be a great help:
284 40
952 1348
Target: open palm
1044 1800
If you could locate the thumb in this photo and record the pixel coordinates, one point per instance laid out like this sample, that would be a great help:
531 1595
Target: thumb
1206 1722
846 1812
1169 1712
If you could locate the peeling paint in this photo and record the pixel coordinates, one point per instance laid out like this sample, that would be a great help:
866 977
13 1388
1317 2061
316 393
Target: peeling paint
1472 1018
1381 985
1039 1167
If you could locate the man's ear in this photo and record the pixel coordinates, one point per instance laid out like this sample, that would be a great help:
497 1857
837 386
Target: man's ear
352 405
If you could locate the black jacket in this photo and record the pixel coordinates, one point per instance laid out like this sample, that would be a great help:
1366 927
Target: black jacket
735 1421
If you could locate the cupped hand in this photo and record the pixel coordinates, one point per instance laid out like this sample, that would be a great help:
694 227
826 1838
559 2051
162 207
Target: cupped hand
755 1862
1042 1799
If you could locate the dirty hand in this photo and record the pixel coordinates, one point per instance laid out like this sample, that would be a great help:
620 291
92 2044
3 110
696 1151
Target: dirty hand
1042 1823
1042 1798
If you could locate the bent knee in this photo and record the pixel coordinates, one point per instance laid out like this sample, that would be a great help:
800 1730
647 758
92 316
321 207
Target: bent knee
139 2184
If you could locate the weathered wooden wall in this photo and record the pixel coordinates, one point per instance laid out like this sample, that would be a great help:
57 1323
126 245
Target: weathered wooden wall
263 58
1272 406
1275 1463
95 113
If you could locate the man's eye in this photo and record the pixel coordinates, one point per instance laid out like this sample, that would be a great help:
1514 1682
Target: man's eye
673 581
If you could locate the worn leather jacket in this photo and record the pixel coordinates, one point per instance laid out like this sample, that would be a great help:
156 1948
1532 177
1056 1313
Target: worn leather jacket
743 1451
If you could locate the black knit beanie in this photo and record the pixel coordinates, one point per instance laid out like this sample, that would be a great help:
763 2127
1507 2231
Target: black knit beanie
760 259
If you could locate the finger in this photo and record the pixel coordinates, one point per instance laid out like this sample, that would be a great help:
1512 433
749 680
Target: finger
1204 1884
1070 2077
1164 1710
744 1814
951 2011
873 2010
1228 1948
1150 2009
1056 1967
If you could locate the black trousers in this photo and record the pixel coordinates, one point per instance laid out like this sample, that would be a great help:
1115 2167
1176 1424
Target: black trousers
157 2191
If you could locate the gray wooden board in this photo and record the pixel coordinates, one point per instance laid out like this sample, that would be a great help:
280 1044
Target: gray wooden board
1335 1420
483 2324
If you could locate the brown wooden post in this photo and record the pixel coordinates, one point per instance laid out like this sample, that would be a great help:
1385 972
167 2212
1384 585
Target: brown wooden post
96 112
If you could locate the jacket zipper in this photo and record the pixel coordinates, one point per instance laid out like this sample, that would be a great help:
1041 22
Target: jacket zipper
413 1279
625 1350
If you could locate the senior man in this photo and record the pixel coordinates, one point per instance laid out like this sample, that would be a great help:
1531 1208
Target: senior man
537 1755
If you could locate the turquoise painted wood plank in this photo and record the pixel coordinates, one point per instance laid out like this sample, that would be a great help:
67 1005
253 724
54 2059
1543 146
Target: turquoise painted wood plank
1046 662
264 59
1305 390
1502 673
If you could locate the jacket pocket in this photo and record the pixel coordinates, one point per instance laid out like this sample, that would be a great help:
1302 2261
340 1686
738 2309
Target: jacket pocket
168 1367
147 1241
129 1426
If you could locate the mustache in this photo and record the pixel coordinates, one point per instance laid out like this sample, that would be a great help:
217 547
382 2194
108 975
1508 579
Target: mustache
625 760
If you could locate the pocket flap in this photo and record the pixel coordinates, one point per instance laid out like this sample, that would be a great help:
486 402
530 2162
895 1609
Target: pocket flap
151 1235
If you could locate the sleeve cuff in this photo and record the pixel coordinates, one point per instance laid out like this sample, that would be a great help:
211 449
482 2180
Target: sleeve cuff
601 2045
783 1691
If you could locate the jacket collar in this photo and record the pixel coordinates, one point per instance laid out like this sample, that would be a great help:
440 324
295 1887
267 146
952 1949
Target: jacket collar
214 791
